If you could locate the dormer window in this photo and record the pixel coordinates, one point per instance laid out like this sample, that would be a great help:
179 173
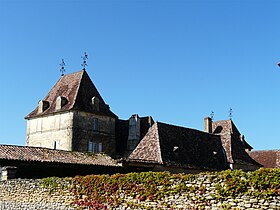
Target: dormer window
42 106
60 102
95 103
175 149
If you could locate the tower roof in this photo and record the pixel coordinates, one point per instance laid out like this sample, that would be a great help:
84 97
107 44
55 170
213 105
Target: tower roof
78 90
233 142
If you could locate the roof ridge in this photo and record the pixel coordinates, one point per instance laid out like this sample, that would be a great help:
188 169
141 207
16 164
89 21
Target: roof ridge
77 90
158 141
182 127
265 150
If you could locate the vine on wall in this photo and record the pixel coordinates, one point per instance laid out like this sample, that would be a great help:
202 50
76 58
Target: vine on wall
101 191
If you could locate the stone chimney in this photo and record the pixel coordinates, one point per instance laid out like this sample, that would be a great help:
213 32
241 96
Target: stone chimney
207 125
42 106
133 132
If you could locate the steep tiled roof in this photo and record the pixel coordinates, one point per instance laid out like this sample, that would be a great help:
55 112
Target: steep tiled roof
268 158
233 144
178 146
79 90
30 154
122 127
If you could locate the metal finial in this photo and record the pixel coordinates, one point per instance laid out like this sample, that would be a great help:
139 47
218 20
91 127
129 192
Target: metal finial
230 113
62 69
212 115
84 64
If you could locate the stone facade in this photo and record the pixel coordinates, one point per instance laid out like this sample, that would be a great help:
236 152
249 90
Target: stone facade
72 131
51 131
98 129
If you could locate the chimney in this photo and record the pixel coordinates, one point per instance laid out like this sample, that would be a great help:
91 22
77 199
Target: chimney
42 106
133 132
207 125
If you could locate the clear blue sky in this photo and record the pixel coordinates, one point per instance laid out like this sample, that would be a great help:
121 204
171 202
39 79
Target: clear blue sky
174 60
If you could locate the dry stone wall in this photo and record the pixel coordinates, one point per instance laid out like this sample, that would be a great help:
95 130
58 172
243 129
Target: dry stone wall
29 194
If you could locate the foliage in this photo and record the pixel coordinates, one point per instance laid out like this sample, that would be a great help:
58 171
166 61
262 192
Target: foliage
142 186
260 183
106 192
56 183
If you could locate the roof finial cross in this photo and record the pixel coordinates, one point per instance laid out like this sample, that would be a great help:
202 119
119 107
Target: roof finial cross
230 113
84 64
212 115
62 69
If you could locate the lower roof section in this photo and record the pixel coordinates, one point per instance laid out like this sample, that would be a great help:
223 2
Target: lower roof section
39 154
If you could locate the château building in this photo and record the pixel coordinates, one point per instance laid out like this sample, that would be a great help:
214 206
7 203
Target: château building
74 117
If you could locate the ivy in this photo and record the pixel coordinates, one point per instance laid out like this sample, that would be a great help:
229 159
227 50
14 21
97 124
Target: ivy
107 192
260 183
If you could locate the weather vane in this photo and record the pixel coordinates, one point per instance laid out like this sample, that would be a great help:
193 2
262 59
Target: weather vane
212 115
230 113
62 69
84 64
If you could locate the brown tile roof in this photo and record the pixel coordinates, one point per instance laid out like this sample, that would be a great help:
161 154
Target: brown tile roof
79 90
38 154
178 146
268 158
233 144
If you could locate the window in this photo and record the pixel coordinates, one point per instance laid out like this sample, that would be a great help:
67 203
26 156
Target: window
99 147
90 146
94 147
95 124
56 144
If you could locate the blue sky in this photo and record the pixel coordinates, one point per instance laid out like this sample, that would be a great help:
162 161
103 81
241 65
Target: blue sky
174 60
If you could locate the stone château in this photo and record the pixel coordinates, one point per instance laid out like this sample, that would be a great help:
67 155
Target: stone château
74 117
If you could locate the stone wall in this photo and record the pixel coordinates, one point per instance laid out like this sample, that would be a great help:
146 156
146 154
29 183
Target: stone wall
46 130
29 194
84 131
72 131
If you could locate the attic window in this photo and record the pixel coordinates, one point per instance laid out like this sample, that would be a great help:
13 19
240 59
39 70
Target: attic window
43 105
60 102
218 129
175 149
95 103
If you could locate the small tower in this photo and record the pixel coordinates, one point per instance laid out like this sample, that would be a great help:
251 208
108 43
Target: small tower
73 117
